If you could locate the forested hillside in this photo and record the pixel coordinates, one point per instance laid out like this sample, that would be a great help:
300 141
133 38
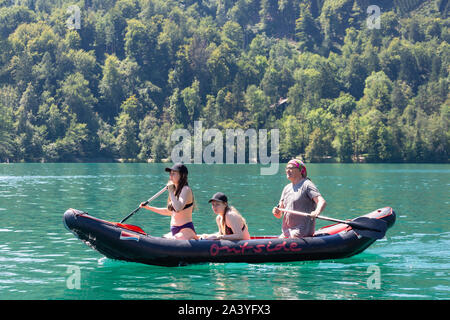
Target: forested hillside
116 85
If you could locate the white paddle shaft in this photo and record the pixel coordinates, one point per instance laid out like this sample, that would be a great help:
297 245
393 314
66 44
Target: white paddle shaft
308 215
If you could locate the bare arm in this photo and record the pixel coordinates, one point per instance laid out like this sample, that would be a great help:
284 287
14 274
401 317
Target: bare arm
179 203
162 211
235 223
276 212
320 205
212 236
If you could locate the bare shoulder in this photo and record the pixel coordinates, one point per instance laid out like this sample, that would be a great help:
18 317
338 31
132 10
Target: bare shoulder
186 192
186 188
234 215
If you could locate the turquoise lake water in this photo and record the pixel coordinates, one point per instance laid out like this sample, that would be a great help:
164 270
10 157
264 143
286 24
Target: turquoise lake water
38 255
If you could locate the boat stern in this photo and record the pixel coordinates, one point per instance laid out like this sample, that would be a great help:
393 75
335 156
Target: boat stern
386 214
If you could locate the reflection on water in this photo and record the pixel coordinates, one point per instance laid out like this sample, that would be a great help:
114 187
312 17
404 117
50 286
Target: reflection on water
36 250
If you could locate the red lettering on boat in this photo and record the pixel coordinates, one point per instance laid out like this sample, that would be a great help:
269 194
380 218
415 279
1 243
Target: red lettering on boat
215 248
259 248
245 246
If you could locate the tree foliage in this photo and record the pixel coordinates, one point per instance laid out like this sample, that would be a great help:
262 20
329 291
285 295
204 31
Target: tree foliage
138 69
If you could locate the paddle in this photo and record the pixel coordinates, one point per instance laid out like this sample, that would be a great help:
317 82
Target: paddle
364 226
145 203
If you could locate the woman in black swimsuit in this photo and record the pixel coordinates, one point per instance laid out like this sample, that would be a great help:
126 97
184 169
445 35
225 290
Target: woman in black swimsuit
179 204
232 226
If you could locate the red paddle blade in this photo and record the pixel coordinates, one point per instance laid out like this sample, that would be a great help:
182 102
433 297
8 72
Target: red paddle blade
130 227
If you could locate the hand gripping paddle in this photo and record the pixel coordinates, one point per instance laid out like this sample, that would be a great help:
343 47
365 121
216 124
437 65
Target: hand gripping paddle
145 203
364 226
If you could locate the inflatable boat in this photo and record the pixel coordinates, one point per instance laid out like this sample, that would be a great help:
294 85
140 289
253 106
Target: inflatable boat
130 243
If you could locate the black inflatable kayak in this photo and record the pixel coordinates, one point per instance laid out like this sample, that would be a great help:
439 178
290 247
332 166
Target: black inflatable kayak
131 243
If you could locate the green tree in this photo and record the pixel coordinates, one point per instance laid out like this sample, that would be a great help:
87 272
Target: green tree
57 120
354 76
319 146
192 101
148 128
210 112
111 87
177 109
6 136
159 148
293 138
76 94
385 144
232 35
138 41
269 16
306 29
257 106
221 66
126 139
343 144
107 143
343 105
377 92
13 16
72 146
141 45
139 68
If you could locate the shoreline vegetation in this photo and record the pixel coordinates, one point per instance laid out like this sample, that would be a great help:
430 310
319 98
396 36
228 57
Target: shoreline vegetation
329 160
112 79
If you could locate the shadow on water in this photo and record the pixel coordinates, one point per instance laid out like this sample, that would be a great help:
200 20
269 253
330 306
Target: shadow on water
330 279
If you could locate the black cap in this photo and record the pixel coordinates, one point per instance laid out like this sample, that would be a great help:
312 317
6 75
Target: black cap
178 167
219 196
